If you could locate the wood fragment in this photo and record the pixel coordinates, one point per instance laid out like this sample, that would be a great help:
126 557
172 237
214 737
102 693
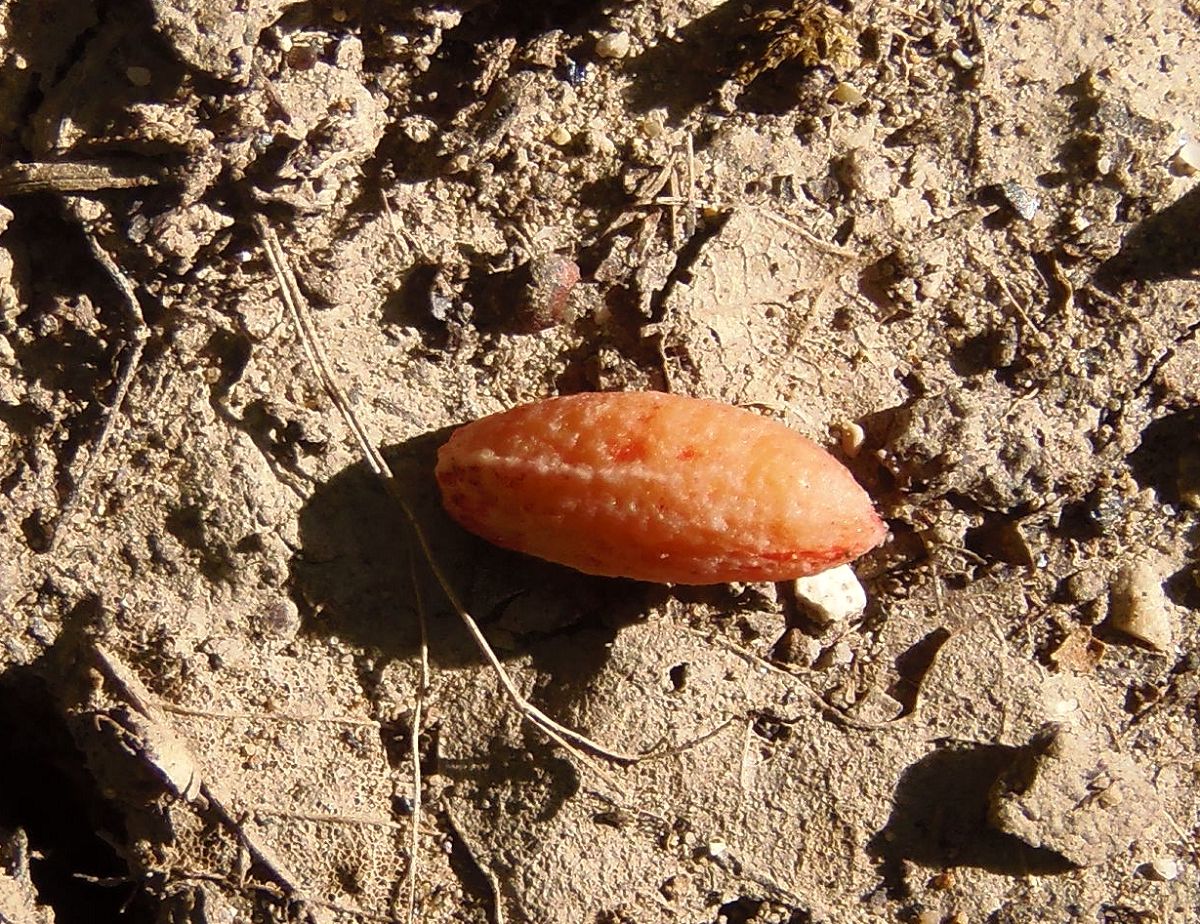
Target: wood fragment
75 177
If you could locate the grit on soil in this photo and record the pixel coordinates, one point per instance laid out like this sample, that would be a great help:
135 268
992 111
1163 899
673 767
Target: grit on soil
956 243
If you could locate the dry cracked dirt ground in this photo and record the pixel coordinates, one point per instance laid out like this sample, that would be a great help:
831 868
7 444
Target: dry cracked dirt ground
956 242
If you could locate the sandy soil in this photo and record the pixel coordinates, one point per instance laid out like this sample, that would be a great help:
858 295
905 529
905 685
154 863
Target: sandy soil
955 243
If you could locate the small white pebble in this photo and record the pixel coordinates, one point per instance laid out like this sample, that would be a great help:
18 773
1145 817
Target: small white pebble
717 849
652 125
843 654
848 95
1162 869
1187 159
851 436
1138 607
832 597
138 76
1023 202
613 45
962 59
599 142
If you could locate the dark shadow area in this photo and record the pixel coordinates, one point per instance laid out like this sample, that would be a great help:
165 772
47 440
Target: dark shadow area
74 62
702 56
1163 246
912 665
449 83
1168 453
46 790
352 579
531 782
999 539
939 818
687 71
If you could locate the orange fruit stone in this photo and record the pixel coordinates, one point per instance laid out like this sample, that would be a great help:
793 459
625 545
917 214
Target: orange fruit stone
656 487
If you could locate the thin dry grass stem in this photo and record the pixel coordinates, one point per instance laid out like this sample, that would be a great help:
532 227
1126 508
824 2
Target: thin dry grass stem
138 335
567 738
484 869
268 717
414 744
690 224
833 712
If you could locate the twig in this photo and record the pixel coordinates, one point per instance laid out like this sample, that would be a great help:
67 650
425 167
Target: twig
690 219
138 335
269 716
297 306
80 176
486 872
838 716
414 739
823 246
170 755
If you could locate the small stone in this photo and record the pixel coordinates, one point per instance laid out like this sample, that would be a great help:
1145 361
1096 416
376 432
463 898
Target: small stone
560 136
1085 585
1139 608
1078 222
842 654
652 125
1065 793
599 142
613 45
1020 199
1186 161
851 436
962 60
794 647
138 76
1161 869
832 597
1080 651
848 95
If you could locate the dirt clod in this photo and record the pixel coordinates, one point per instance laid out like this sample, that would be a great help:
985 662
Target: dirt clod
1065 794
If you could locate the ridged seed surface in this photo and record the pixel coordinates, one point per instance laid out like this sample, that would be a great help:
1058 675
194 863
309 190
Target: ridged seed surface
656 487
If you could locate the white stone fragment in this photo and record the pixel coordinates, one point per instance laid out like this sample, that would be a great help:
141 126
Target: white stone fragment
1139 608
832 597
851 436
613 45
1162 869
1187 159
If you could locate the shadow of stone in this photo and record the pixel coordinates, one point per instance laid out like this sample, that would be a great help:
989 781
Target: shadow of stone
702 56
1168 445
940 818
450 82
352 578
76 825
1164 246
